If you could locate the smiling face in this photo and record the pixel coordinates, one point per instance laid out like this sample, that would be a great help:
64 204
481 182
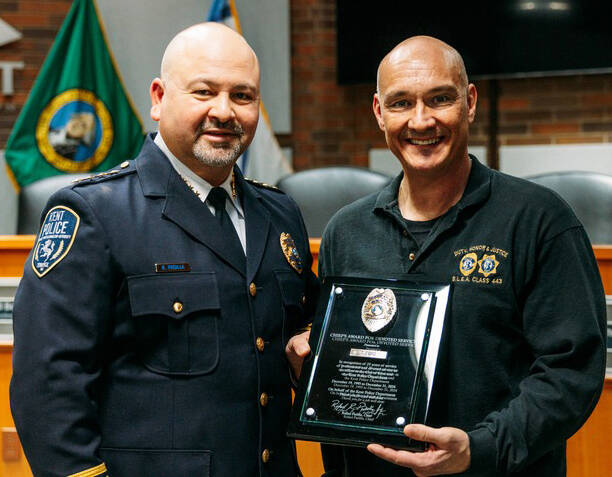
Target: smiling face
424 106
207 99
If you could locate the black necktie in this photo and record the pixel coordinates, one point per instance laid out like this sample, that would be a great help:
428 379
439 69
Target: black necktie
216 198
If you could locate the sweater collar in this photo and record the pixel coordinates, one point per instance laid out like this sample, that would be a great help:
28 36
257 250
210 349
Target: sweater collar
476 190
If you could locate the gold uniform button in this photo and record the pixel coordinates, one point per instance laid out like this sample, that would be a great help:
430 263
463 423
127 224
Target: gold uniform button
265 456
177 307
259 342
411 256
252 289
303 299
124 164
405 233
263 399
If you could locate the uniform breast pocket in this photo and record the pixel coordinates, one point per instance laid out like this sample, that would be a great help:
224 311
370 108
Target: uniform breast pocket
292 297
176 318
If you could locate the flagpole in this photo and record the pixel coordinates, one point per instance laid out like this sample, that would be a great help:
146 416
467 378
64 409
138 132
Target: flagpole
234 10
12 178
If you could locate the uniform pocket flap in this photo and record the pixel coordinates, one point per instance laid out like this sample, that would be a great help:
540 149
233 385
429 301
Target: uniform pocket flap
291 288
175 296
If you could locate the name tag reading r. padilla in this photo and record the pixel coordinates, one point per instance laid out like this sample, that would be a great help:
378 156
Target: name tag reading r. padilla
375 350
172 267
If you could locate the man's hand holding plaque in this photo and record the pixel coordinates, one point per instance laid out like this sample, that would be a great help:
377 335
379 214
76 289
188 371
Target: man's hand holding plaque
296 350
448 451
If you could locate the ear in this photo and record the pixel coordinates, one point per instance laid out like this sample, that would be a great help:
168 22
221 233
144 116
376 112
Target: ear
156 91
378 112
472 98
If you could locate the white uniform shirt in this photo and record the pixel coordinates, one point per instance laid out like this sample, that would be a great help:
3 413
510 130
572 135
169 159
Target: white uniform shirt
203 188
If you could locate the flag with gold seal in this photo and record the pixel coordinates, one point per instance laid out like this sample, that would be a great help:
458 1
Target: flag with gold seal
78 116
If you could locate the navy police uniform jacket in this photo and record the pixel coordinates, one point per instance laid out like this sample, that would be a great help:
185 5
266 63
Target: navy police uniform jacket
124 368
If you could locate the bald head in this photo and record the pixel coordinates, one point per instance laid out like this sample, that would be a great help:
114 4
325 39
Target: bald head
423 49
216 38
425 105
207 98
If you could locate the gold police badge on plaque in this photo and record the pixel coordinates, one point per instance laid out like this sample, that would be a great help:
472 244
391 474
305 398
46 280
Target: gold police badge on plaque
378 309
290 252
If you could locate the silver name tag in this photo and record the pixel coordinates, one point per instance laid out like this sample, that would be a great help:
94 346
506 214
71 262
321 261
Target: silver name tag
368 353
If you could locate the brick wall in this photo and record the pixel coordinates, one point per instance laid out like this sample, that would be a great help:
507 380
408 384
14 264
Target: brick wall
39 22
331 124
334 124
554 110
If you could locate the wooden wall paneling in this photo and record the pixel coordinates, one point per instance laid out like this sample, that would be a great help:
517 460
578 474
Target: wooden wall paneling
12 460
603 254
588 451
14 250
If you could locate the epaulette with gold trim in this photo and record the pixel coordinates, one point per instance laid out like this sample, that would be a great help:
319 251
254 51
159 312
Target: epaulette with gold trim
122 168
263 185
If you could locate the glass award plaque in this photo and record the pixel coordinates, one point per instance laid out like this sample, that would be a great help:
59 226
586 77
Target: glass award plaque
374 352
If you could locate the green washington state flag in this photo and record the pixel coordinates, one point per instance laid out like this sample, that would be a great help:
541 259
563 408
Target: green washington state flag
78 117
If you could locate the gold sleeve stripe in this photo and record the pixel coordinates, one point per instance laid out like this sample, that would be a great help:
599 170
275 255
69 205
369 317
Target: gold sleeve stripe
308 327
92 472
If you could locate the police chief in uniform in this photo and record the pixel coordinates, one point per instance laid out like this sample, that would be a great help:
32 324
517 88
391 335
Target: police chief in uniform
154 311
522 354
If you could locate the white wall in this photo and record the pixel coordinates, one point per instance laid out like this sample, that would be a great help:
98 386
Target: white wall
530 160
523 161
383 160
8 202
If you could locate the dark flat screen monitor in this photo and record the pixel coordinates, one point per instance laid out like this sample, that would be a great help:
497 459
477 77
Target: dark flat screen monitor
497 38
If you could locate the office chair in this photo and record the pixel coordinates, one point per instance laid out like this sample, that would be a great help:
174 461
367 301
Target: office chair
590 196
321 192
34 197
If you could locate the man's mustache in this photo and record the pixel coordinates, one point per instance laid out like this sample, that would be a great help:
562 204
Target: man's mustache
229 127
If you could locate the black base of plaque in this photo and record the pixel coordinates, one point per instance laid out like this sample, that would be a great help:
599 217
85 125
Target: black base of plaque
400 442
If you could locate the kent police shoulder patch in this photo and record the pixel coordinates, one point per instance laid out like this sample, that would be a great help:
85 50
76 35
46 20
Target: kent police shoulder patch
54 239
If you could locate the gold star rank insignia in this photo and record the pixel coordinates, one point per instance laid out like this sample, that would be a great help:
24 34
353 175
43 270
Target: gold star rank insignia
487 265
